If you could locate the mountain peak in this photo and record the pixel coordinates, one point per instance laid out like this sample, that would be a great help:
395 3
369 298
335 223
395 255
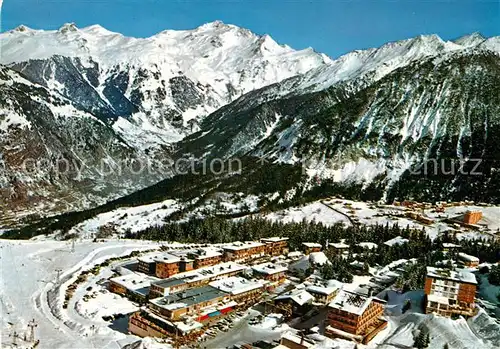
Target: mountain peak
214 25
470 40
68 28
97 29
22 29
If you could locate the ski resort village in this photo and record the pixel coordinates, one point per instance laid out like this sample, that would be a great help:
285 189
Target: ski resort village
331 284
172 181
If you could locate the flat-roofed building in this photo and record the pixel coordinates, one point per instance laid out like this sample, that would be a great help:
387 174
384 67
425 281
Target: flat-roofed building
185 264
355 316
290 340
205 257
468 260
309 247
244 251
241 290
188 303
450 247
166 266
146 323
472 217
195 278
132 285
270 272
146 264
322 294
276 246
338 247
450 292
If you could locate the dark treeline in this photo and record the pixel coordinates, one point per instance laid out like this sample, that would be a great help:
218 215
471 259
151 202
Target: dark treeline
221 230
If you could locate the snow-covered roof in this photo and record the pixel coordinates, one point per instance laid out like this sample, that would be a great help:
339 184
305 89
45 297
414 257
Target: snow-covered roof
134 281
326 290
468 257
147 259
294 338
274 239
203 253
351 302
398 240
338 245
188 297
369 245
167 258
188 326
456 275
311 244
212 271
450 245
269 268
236 285
238 245
318 258
357 264
295 254
300 297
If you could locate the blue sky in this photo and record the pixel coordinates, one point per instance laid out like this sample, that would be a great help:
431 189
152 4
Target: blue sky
330 26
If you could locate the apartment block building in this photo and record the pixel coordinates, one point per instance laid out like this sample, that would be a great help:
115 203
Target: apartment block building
354 315
191 302
273 273
309 247
276 246
449 292
472 217
195 278
243 251
166 266
468 260
241 290
205 258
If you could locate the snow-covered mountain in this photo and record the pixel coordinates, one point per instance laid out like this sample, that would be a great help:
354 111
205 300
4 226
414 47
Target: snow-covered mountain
141 94
90 96
163 83
371 120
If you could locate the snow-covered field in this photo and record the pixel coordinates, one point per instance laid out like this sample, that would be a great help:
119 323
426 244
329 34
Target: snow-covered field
128 218
29 276
327 212
334 211
315 211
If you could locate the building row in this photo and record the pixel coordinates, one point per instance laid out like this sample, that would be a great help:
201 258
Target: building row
168 264
189 310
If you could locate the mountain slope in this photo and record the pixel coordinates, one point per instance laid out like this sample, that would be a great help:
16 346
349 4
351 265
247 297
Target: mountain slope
53 154
444 109
103 98
170 78
356 124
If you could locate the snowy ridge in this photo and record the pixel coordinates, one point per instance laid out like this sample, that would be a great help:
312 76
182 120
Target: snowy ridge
207 53
143 97
385 59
